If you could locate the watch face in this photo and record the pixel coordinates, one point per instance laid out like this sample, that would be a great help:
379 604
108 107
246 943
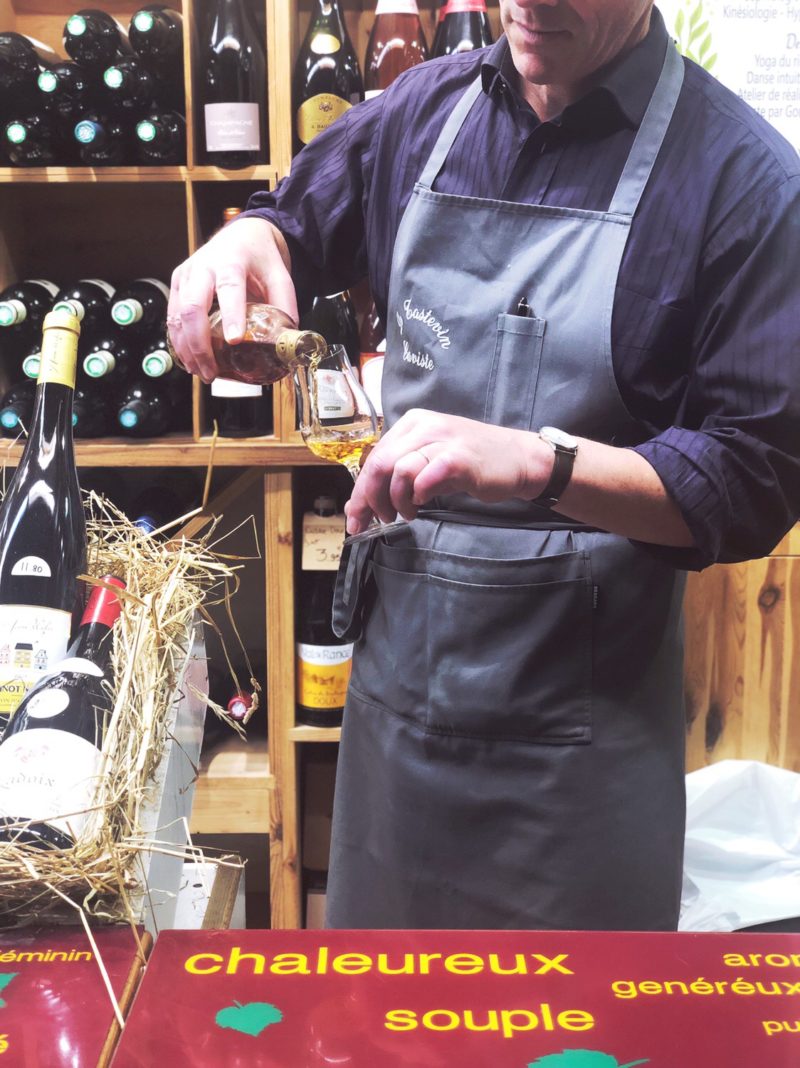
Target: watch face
559 437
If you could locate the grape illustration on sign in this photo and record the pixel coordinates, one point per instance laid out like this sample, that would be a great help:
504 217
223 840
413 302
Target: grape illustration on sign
250 1019
5 979
582 1058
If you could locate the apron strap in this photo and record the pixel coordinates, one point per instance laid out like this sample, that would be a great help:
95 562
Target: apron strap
449 134
650 135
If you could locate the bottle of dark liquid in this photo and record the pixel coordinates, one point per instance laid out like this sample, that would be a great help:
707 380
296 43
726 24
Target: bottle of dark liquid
91 414
64 92
156 34
51 753
234 90
241 410
23 307
95 39
32 361
396 43
91 301
129 88
465 26
103 140
271 348
440 14
16 408
141 307
334 317
22 60
109 361
327 79
161 139
145 410
42 532
33 140
323 660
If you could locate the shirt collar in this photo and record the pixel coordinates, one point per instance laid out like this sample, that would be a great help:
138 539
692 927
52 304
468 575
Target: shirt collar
628 81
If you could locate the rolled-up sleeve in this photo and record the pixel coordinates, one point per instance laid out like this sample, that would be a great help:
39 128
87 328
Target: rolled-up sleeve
732 461
320 208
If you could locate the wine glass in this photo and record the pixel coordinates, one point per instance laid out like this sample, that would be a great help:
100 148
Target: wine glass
337 419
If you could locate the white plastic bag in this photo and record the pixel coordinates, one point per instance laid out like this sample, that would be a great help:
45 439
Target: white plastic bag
742 860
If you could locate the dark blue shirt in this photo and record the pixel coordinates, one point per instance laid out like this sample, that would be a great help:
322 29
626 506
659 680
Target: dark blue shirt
706 323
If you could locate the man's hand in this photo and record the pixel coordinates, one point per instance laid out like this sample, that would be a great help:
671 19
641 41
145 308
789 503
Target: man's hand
247 260
426 454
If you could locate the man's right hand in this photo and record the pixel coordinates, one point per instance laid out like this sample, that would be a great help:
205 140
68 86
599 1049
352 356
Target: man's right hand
247 260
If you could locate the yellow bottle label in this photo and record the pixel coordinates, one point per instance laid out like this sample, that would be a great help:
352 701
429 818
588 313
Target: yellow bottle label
323 674
325 44
316 115
59 349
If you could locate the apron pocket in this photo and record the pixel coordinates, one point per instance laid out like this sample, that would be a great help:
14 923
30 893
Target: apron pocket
511 662
515 371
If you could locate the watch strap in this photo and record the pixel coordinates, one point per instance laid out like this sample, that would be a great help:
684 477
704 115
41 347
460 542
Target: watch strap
563 463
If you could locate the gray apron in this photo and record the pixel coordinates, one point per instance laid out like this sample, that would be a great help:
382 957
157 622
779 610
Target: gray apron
512 748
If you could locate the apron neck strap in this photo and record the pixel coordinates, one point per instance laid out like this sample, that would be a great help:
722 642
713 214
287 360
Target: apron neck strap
449 133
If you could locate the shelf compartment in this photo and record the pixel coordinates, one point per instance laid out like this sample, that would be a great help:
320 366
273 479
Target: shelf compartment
233 789
305 733
175 451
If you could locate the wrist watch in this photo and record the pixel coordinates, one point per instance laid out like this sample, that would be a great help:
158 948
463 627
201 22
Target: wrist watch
565 447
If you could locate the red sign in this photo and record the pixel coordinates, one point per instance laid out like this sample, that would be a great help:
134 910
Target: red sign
466 999
55 1011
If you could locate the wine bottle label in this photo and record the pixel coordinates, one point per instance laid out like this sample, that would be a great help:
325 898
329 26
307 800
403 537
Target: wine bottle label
396 7
32 641
334 398
323 672
227 387
49 776
317 113
47 703
34 566
80 665
107 289
58 357
232 127
325 44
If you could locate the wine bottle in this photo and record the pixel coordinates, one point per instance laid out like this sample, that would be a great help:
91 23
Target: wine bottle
141 306
234 90
23 307
22 60
156 34
16 408
157 362
95 39
109 361
91 414
145 410
272 346
166 500
42 531
51 753
161 139
334 317
437 33
103 140
32 140
129 88
241 410
65 92
327 79
91 301
396 43
32 361
323 660
465 27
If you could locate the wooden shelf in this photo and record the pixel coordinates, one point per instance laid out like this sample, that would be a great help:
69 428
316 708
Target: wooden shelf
93 175
172 451
304 733
233 789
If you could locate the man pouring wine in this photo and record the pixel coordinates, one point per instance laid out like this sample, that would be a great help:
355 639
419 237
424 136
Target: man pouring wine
607 241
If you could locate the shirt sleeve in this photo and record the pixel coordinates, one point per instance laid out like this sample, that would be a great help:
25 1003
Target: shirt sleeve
320 208
732 461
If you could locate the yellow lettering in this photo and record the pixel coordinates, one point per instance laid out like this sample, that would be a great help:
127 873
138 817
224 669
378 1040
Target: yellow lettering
290 964
8 956
734 960
406 969
520 965
575 1020
648 987
777 960
425 962
471 1025
322 961
624 988
551 964
237 957
463 964
771 1027
401 1020
193 967
352 963
3 1043
508 1025
451 1018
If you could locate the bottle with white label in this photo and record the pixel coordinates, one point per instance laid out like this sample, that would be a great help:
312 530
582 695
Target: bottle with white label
327 79
51 753
141 307
323 660
396 43
234 87
42 530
